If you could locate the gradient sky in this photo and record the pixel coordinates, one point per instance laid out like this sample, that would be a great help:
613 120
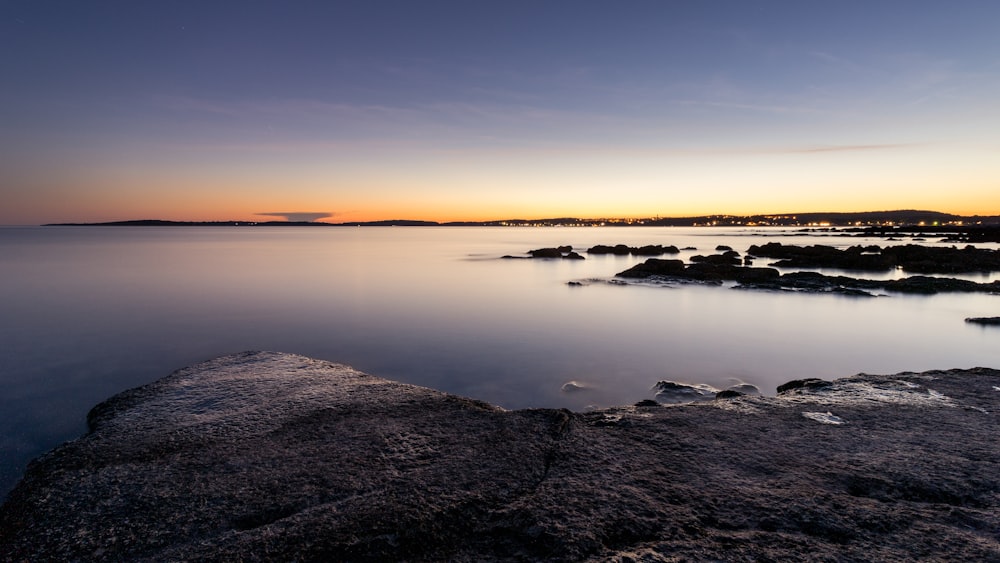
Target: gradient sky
486 110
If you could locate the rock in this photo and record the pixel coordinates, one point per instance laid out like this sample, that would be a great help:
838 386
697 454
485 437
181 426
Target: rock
565 252
728 394
808 384
574 386
730 257
654 267
930 285
654 250
551 252
546 253
744 389
622 250
723 248
910 257
703 271
671 392
728 272
619 249
986 321
262 456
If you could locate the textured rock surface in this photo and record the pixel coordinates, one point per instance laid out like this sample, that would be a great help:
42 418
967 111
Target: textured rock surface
274 456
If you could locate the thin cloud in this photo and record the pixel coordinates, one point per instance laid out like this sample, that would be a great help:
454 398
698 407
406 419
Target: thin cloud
851 148
751 107
298 216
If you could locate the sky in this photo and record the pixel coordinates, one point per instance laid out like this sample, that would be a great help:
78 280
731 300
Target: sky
478 110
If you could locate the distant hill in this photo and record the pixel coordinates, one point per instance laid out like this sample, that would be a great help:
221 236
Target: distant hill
910 217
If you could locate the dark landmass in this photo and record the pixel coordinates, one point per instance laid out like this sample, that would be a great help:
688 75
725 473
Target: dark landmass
973 228
264 456
161 223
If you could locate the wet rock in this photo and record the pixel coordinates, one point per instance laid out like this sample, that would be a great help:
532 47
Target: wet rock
618 249
930 285
263 456
624 250
810 384
655 250
744 389
910 257
671 392
546 253
730 257
654 267
565 252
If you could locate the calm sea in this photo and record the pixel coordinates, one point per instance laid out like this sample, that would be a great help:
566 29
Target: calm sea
86 312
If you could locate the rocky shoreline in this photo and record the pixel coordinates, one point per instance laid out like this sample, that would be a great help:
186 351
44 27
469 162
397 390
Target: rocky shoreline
727 265
264 455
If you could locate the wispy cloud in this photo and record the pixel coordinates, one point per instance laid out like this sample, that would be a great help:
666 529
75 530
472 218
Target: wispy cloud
765 108
297 216
850 148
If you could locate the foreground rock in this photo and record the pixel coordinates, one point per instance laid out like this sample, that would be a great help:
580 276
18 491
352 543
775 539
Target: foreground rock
273 456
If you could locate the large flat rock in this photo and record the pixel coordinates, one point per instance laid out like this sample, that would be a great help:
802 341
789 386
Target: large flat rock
264 455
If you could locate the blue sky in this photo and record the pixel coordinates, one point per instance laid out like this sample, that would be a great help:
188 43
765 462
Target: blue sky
477 110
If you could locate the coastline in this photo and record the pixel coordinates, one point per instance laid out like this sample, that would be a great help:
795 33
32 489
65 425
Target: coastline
338 463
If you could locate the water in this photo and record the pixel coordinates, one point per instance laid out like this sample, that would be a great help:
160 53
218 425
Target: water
86 312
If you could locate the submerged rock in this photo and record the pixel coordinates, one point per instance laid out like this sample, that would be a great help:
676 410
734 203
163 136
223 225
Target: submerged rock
263 455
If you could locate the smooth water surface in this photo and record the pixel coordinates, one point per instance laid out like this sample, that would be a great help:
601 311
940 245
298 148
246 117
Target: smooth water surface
86 312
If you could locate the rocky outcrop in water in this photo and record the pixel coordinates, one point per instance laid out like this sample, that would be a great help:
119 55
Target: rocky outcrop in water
911 258
985 321
565 252
625 250
813 282
267 456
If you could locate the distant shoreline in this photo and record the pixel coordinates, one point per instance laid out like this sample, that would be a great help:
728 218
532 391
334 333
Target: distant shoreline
926 221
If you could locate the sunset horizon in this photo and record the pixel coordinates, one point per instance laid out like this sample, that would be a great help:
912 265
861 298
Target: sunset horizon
452 112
